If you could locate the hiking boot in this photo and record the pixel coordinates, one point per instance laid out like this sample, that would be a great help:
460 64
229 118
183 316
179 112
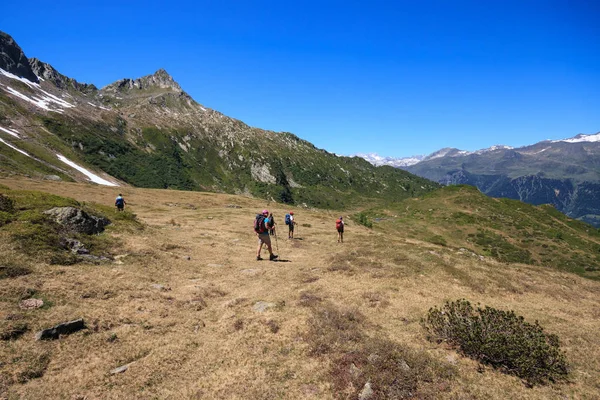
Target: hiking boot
272 257
258 258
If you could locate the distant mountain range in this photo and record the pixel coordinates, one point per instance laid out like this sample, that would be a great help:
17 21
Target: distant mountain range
564 173
401 162
148 132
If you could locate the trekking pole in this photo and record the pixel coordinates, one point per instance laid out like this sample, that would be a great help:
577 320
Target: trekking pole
276 243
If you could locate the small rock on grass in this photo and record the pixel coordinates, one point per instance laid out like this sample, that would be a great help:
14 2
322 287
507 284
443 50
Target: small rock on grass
160 287
31 304
250 271
262 306
366 393
120 370
65 328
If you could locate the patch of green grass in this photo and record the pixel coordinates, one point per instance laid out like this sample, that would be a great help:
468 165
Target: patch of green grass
498 247
437 239
12 271
40 237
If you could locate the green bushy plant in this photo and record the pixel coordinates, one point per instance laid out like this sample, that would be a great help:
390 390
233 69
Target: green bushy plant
363 219
500 339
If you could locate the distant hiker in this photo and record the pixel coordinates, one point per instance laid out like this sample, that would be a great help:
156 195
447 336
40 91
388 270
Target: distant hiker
120 202
272 228
289 221
339 225
262 224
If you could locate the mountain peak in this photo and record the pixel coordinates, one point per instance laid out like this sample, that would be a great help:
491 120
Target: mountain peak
160 79
13 60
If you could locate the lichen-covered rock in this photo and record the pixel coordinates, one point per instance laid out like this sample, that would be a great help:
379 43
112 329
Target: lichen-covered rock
77 220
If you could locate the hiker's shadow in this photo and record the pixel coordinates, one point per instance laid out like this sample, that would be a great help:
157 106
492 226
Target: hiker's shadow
282 260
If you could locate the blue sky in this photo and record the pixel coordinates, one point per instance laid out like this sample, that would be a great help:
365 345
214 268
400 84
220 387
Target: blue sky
398 78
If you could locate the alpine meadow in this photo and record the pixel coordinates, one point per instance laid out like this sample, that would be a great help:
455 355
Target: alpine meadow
435 292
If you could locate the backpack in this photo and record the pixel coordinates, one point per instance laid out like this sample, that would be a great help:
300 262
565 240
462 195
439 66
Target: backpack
119 201
338 224
259 224
287 219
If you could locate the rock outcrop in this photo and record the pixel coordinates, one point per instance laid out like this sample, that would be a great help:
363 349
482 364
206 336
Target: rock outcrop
77 220
47 72
13 60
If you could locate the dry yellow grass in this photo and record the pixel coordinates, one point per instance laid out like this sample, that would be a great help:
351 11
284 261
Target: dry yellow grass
200 338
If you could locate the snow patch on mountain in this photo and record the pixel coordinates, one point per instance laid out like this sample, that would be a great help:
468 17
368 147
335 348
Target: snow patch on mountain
15 148
493 148
93 177
10 132
580 138
44 101
18 78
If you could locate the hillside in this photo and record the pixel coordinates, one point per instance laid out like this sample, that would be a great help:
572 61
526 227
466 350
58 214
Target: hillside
148 132
186 311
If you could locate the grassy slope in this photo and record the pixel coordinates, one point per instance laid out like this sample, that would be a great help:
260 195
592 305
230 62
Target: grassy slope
201 337
504 229
152 157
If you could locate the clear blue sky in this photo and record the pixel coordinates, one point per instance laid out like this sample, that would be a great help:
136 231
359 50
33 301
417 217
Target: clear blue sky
393 77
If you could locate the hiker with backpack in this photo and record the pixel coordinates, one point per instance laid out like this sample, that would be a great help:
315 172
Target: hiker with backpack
262 224
289 221
120 202
339 226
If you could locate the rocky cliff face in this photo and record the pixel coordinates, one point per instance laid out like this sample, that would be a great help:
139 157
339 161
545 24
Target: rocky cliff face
47 72
13 60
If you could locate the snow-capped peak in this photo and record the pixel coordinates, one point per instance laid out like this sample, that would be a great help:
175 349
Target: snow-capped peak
378 160
581 138
493 148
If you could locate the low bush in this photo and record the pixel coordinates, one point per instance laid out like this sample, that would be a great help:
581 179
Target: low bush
363 219
500 339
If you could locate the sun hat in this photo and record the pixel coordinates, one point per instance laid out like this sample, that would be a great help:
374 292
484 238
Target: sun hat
265 211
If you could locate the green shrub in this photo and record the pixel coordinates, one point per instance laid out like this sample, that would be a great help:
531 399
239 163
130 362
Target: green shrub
500 339
362 219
